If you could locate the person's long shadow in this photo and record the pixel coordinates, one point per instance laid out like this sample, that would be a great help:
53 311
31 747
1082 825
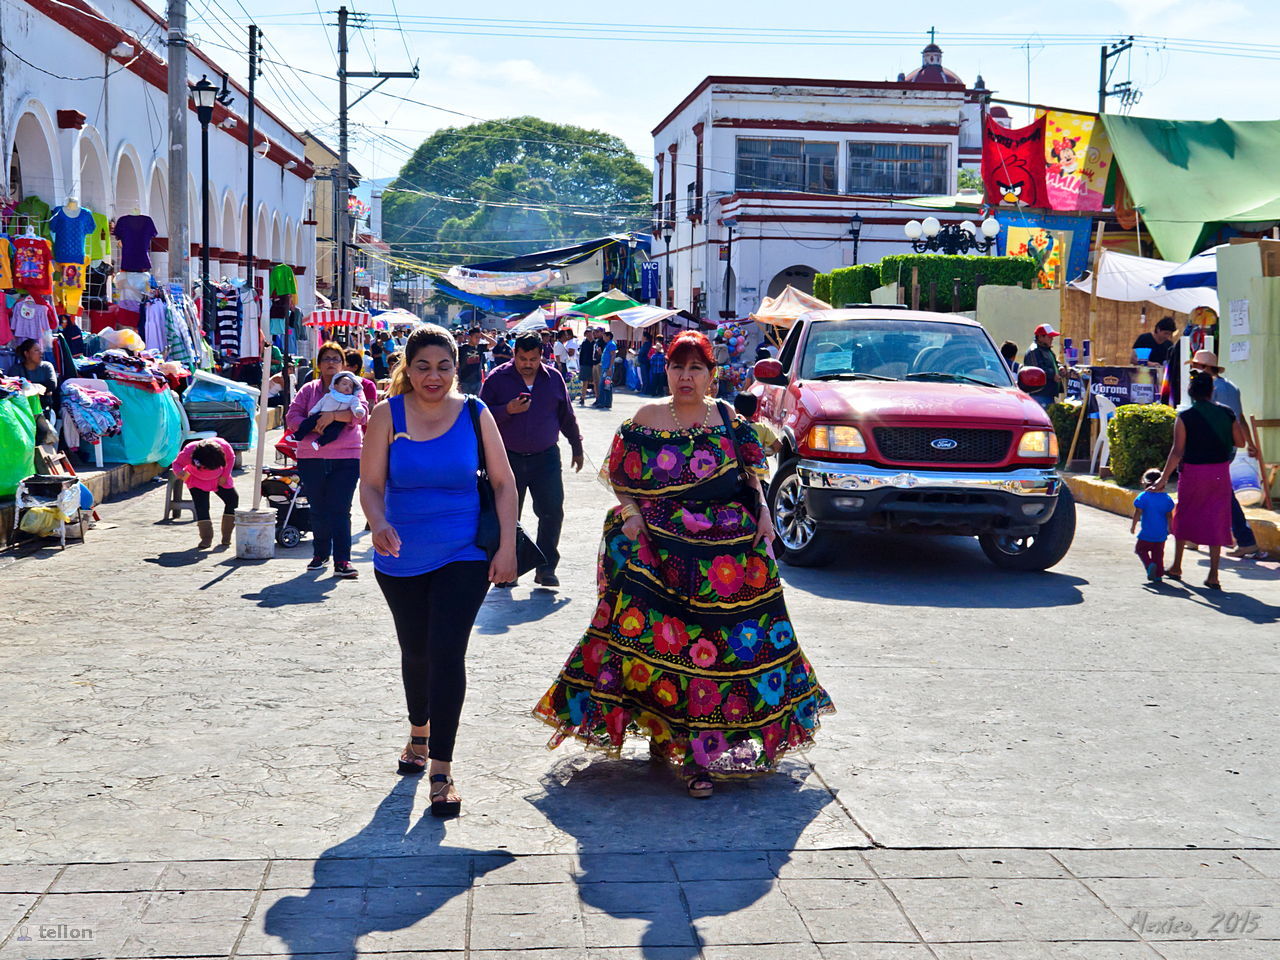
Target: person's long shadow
304 588
653 862
388 877
500 611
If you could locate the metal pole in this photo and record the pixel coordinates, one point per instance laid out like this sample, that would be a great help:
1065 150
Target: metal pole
342 185
728 266
206 288
179 214
251 226
1102 80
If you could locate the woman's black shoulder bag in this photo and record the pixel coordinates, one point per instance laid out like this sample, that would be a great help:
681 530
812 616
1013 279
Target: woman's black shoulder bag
489 527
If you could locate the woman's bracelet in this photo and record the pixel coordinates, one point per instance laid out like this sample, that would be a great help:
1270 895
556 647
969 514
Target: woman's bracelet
630 510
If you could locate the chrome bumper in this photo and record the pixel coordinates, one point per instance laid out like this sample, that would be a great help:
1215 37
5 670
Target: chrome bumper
1027 482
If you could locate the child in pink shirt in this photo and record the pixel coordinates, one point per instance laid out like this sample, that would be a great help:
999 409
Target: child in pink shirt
205 466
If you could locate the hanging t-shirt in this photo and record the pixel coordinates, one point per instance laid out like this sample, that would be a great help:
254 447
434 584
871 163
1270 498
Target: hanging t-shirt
100 240
132 288
70 233
282 281
135 233
32 265
33 320
33 212
6 264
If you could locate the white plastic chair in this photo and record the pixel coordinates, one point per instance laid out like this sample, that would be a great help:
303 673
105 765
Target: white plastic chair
1102 446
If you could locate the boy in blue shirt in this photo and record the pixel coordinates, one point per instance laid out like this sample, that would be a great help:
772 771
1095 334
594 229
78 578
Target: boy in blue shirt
1153 510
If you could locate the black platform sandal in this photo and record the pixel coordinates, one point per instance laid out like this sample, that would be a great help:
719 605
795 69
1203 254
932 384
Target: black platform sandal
440 807
411 762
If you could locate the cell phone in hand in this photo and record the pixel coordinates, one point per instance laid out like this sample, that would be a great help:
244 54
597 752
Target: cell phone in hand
526 397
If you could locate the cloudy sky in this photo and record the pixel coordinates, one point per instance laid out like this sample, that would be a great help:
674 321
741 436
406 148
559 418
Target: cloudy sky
623 75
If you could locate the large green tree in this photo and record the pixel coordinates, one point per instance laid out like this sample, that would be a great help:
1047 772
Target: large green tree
506 187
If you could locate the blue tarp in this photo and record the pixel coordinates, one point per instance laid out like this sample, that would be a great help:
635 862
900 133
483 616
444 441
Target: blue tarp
152 431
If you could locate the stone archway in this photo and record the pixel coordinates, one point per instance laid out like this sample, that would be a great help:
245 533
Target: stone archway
127 195
158 211
231 245
90 184
33 164
798 276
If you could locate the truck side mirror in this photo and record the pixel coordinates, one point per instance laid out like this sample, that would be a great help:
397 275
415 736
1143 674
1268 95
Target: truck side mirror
768 371
1031 378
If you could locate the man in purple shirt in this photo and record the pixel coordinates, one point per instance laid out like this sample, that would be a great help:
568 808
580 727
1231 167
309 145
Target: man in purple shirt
531 405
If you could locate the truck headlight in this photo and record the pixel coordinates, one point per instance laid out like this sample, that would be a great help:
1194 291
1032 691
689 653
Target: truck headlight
1039 443
836 439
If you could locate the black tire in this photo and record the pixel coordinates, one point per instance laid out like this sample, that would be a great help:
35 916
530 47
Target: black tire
800 543
288 536
1040 552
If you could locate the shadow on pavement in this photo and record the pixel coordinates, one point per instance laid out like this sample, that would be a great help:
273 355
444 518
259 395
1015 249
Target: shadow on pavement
928 571
639 835
308 587
353 895
501 611
178 558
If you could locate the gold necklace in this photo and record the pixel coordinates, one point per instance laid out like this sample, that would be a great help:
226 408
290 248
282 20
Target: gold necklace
671 405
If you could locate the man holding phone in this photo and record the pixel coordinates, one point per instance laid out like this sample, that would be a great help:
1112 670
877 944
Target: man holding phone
531 404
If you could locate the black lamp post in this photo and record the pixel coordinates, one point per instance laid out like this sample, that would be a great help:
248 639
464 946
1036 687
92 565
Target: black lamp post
855 231
730 223
205 94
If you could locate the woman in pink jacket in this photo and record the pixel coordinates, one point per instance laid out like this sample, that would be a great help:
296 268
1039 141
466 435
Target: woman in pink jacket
205 466
329 474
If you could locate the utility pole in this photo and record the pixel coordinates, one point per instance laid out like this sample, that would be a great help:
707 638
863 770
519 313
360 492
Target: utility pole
343 185
252 224
1123 90
179 228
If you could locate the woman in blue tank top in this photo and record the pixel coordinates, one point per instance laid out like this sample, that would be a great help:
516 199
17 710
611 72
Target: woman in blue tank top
418 490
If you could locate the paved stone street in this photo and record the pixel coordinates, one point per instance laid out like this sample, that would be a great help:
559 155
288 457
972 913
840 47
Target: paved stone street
199 760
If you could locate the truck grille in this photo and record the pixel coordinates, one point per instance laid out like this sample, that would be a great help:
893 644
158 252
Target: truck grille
915 445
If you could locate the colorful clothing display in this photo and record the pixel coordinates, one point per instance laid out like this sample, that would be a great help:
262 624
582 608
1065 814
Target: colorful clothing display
34 213
96 414
71 233
690 645
99 245
33 265
135 233
31 319
6 263
281 281
68 288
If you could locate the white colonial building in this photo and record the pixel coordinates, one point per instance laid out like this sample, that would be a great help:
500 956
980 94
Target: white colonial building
84 113
757 180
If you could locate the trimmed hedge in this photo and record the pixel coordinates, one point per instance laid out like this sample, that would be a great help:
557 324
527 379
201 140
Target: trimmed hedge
1141 437
822 287
943 270
1064 417
848 284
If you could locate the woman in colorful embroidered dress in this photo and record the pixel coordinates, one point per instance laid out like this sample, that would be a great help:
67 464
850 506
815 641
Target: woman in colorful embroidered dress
690 645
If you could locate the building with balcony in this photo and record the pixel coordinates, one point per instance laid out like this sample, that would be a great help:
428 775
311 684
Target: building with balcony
760 182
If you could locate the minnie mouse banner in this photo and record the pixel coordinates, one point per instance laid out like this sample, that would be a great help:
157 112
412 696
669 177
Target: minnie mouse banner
1077 160
1013 165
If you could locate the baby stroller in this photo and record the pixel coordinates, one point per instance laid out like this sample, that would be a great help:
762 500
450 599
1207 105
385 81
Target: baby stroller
283 491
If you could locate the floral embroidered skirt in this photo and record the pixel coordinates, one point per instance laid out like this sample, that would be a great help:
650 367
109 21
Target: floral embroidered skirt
690 646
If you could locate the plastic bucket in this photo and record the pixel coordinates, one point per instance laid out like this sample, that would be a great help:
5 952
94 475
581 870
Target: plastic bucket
255 534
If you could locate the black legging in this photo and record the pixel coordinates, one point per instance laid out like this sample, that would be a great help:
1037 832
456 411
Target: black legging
434 613
200 500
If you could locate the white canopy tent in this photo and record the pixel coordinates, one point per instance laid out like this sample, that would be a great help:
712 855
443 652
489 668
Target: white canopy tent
782 310
1125 277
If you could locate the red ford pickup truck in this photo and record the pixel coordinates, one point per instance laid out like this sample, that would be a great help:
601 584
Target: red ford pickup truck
903 420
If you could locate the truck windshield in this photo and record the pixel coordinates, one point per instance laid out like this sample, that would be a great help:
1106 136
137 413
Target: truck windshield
900 349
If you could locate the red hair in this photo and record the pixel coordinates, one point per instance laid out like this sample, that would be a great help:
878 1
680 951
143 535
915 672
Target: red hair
691 345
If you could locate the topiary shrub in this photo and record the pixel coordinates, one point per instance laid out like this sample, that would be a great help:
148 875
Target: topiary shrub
943 271
853 284
822 287
1064 417
1141 435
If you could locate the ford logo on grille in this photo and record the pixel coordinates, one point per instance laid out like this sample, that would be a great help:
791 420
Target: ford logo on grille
944 443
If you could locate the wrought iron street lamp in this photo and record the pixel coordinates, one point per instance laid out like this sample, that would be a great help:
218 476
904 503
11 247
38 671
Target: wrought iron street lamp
205 94
931 236
855 231
729 223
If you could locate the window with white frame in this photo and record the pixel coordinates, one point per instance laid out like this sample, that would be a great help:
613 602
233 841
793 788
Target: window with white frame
906 169
786 164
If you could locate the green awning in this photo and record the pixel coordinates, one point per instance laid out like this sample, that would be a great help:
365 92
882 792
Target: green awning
605 303
1187 177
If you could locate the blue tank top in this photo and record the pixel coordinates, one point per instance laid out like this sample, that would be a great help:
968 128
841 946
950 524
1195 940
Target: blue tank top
431 496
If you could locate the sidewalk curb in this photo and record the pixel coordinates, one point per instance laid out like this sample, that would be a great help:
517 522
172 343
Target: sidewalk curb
1119 500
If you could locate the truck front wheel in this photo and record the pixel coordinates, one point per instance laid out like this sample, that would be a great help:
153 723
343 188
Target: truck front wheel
800 543
1041 550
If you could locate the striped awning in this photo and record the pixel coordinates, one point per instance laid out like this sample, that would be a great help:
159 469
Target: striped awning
338 318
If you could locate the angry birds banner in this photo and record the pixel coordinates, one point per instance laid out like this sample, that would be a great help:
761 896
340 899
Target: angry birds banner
1013 165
